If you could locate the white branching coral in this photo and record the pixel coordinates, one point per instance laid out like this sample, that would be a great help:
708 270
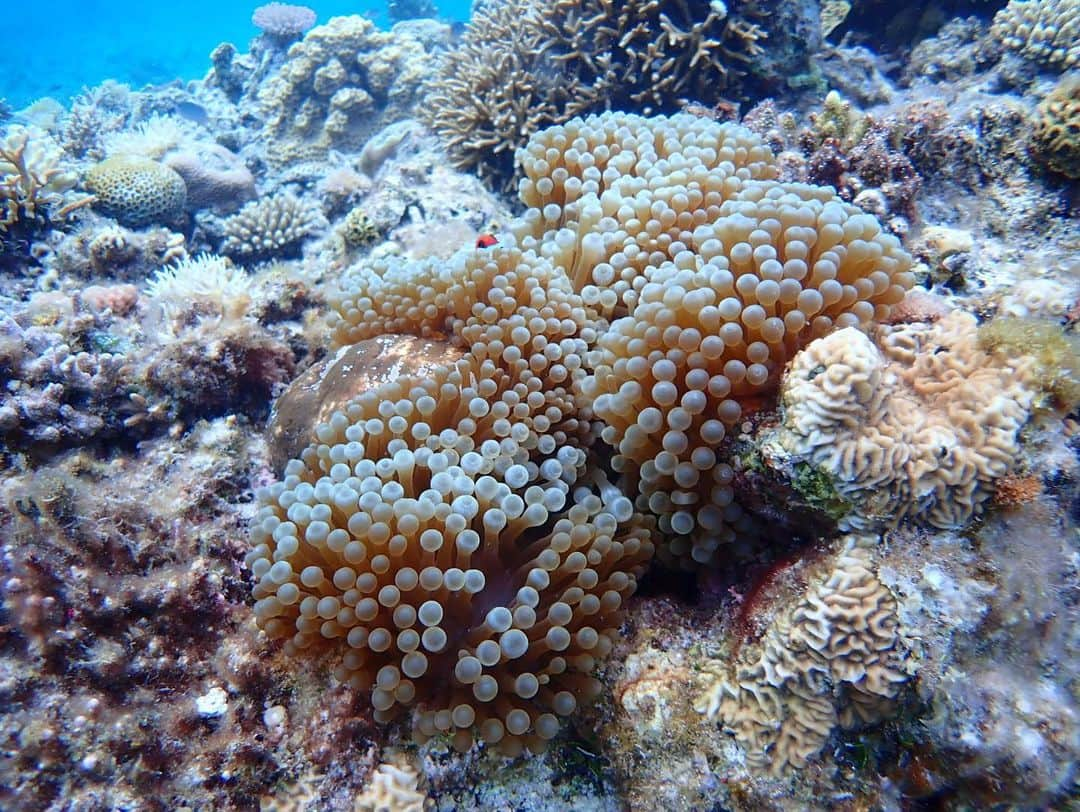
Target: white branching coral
836 658
273 226
918 426
33 180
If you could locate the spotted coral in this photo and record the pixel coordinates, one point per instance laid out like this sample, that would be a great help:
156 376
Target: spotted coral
835 659
136 191
918 426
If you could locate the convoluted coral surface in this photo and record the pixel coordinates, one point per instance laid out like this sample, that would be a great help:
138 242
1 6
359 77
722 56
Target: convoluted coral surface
919 426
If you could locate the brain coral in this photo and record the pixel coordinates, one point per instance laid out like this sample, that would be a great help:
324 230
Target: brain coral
835 658
918 426
273 226
1057 127
137 191
1046 31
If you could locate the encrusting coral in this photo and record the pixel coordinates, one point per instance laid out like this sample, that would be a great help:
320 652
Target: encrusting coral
918 426
836 658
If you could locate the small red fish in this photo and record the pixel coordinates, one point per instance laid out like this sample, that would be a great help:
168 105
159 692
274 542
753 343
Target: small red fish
486 241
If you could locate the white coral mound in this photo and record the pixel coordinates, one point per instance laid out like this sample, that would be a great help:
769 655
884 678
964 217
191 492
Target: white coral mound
919 425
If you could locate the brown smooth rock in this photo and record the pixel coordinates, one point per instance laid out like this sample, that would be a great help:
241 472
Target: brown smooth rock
329 385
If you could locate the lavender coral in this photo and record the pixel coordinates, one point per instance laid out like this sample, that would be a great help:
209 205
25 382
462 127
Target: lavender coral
283 21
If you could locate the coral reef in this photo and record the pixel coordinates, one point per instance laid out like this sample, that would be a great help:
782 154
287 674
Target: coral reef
917 427
270 227
836 660
136 191
553 457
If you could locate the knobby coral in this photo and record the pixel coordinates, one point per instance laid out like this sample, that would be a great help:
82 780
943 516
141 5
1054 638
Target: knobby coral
836 658
1045 31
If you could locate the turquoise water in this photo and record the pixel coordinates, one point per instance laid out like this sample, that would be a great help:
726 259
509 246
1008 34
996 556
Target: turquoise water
56 49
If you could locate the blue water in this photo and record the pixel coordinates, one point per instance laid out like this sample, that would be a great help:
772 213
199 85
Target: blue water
56 49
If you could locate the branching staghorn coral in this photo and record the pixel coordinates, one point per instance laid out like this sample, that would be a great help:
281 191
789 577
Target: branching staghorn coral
530 63
834 659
